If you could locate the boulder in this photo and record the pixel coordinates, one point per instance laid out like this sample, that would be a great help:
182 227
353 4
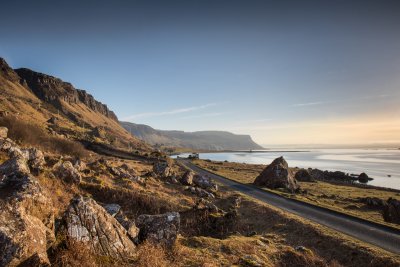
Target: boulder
303 175
80 165
66 171
86 221
162 229
204 182
277 175
187 178
391 211
26 222
3 132
162 169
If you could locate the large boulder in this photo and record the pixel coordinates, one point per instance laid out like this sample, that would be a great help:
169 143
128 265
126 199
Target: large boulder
162 229
66 171
3 132
162 169
391 211
26 222
303 175
86 221
277 175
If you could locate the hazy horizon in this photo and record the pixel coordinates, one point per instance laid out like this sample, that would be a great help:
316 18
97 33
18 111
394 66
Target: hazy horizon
287 72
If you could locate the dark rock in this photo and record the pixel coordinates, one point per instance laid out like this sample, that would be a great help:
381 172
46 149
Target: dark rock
277 175
88 222
363 178
162 229
204 182
52 120
112 209
187 178
303 175
391 211
373 202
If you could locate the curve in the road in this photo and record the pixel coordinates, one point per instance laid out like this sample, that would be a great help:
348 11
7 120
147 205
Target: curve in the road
378 235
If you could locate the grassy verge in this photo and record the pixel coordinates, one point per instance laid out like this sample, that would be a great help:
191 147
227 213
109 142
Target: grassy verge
341 198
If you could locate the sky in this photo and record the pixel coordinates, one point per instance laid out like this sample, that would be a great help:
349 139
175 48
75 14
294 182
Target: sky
285 72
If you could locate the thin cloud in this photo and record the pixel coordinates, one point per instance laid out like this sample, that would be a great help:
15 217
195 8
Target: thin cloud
309 104
170 112
205 115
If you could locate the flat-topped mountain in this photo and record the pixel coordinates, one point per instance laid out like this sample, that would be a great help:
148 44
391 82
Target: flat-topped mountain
202 140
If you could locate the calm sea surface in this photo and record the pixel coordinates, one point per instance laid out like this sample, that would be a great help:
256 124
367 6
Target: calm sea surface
381 164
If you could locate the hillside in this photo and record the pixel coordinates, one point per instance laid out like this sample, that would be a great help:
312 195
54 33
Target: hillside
60 108
202 140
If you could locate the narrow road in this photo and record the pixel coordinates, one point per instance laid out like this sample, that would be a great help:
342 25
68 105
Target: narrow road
378 235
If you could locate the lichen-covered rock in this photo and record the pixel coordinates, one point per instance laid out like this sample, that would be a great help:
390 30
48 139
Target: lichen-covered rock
162 229
162 169
187 178
80 165
66 171
14 166
88 222
277 175
3 132
26 222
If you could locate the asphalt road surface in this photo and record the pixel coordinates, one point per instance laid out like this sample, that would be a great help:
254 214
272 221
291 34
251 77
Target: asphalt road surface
378 235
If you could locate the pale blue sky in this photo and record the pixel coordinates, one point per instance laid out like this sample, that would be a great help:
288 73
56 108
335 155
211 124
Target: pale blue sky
282 71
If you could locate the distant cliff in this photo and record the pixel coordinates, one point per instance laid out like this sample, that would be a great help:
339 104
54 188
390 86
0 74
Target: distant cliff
203 140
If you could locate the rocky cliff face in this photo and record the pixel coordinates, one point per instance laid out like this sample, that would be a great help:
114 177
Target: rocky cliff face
53 90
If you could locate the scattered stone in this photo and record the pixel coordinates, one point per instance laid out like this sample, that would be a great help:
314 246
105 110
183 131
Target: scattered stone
301 248
204 182
303 175
251 261
88 222
15 166
187 178
66 171
80 165
277 175
52 120
391 211
161 228
36 159
162 169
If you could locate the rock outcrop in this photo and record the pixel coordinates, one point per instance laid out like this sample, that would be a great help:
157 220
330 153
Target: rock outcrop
26 221
55 91
162 229
391 211
3 132
277 175
88 222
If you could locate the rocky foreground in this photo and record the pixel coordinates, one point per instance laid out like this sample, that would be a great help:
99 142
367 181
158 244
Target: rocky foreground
58 210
